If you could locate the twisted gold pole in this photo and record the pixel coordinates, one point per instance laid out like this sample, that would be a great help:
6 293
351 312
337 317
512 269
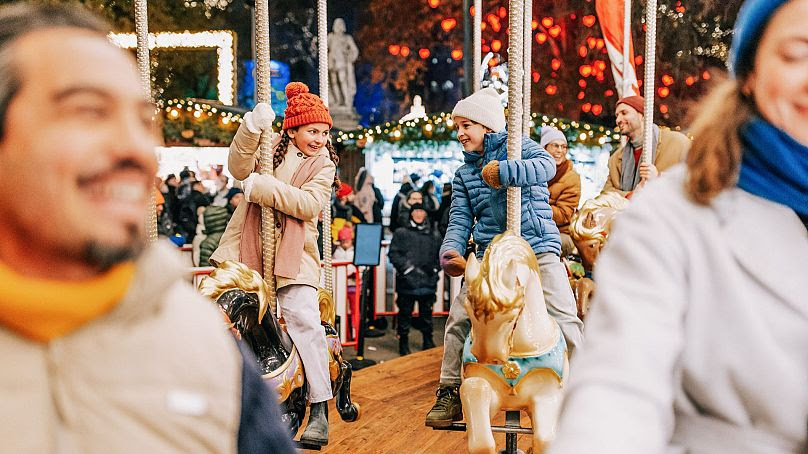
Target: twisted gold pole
516 69
266 167
650 76
142 32
322 42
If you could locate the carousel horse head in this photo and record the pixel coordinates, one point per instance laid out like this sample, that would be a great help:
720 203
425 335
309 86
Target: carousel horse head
239 291
500 290
591 225
243 297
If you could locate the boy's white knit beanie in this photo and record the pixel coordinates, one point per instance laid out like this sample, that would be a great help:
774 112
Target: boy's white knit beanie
483 107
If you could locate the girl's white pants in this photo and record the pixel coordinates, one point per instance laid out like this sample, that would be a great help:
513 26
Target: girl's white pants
299 308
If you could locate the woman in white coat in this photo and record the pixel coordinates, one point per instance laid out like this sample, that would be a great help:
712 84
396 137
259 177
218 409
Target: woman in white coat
698 338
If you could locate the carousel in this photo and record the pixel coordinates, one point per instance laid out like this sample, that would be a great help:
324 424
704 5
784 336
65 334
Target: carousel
515 360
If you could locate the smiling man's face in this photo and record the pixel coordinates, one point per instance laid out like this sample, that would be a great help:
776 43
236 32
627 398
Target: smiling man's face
78 149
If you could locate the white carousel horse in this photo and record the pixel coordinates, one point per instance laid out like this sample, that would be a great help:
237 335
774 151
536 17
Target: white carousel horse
516 356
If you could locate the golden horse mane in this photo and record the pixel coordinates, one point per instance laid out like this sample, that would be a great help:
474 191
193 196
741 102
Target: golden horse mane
231 275
587 225
492 290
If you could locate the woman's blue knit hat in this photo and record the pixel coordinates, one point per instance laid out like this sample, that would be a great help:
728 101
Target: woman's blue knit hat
752 20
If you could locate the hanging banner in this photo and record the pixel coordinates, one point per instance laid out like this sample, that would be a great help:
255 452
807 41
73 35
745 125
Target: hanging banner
611 17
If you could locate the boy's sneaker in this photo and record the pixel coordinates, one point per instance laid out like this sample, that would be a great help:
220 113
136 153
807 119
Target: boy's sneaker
447 409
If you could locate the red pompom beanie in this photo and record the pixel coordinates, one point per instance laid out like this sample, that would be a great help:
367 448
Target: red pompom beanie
304 108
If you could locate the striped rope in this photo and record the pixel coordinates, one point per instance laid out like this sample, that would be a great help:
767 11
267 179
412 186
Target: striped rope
626 48
528 57
478 42
650 76
516 68
262 73
322 43
143 62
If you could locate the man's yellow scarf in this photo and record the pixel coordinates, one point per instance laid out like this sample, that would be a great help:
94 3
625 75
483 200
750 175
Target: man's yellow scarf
42 310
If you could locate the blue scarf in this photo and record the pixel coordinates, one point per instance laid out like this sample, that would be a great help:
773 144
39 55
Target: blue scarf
774 166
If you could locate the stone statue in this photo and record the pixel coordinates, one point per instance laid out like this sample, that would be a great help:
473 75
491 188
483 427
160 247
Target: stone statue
416 111
342 53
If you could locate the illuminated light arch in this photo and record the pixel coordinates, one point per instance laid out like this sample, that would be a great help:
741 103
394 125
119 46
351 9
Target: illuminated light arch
223 41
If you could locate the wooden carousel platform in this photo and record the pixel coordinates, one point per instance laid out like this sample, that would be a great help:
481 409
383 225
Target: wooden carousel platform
395 397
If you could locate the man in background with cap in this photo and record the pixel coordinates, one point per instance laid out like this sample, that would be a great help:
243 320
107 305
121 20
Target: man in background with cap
627 172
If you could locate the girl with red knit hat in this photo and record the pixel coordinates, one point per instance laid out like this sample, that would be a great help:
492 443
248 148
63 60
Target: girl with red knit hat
305 167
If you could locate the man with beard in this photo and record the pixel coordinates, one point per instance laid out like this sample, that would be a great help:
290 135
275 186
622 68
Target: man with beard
627 172
106 349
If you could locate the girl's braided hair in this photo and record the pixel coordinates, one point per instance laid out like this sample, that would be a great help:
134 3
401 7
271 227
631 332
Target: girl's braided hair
283 146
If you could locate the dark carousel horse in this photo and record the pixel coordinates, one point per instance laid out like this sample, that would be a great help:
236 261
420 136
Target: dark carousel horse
242 296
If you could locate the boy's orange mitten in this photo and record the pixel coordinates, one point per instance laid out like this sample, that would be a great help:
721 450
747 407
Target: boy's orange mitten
490 174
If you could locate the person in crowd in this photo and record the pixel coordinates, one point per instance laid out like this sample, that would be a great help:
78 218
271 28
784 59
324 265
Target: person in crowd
565 186
169 191
627 171
414 255
234 197
443 210
107 348
406 188
430 201
344 252
191 204
415 178
697 338
220 197
165 227
369 198
478 207
413 198
343 211
214 222
344 208
305 171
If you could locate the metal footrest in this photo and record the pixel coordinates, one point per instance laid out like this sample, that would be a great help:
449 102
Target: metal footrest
512 425
461 427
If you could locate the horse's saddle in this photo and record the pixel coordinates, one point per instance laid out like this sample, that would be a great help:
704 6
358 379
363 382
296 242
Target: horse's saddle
517 367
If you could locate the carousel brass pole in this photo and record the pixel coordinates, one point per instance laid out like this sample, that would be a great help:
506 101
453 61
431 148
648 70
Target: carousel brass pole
262 69
322 44
650 76
516 68
142 32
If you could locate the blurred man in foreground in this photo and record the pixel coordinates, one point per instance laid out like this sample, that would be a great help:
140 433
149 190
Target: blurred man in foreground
104 348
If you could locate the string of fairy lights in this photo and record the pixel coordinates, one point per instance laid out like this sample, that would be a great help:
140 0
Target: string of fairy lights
440 127
187 120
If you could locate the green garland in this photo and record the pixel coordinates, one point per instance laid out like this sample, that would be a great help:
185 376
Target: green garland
441 128
188 123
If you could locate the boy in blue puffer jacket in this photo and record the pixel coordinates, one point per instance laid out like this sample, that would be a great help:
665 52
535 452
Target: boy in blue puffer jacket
479 194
